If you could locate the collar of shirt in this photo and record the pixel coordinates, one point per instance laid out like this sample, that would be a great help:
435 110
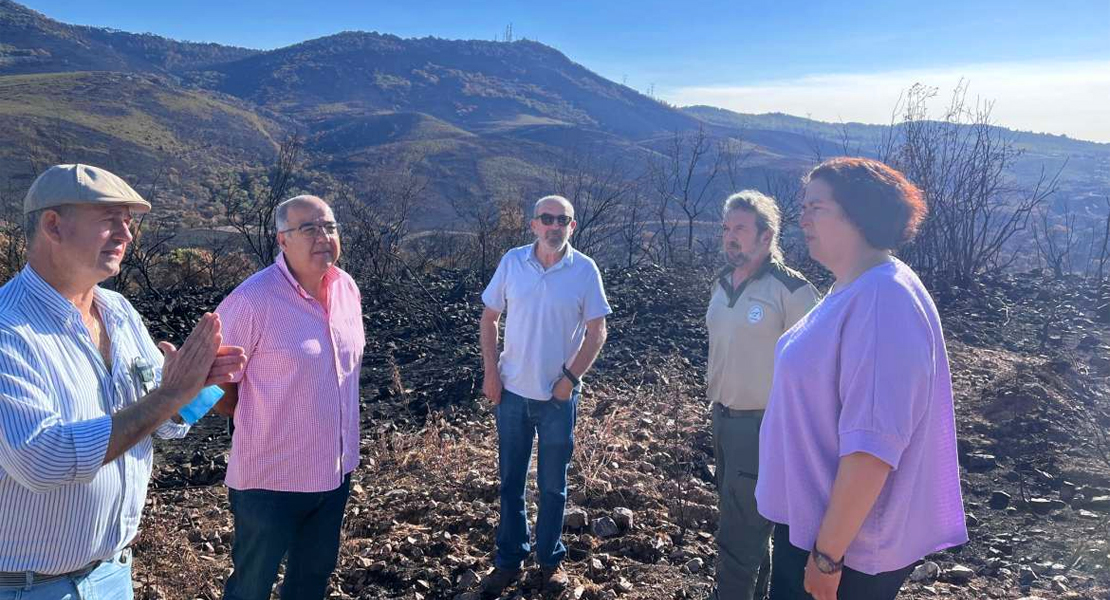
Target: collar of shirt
329 277
566 261
725 279
63 309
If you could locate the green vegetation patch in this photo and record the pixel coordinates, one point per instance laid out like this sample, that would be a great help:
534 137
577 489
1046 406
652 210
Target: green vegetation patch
144 111
82 99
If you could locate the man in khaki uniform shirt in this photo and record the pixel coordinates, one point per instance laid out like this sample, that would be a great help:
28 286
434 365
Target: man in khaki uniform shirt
755 299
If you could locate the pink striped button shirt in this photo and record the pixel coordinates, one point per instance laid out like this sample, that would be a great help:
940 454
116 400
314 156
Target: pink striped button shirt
297 421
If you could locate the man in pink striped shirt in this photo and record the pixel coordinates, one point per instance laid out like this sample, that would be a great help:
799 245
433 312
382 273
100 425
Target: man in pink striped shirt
296 410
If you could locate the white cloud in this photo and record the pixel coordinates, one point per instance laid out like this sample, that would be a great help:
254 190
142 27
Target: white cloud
1062 97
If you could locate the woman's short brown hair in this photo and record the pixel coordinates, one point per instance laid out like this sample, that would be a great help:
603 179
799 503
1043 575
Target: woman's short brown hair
878 200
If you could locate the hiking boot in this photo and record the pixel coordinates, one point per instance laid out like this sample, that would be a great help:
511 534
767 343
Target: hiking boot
497 581
553 580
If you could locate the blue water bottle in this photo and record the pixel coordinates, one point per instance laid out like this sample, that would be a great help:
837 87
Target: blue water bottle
199 406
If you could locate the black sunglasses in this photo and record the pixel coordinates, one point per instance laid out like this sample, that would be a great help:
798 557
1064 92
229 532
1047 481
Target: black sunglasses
546 219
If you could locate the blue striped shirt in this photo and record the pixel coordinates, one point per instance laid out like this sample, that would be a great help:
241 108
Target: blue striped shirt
60 508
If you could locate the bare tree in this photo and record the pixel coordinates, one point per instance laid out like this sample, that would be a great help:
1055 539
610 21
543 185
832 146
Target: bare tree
480 220
437 248
848 146
493 225
960 162
683 177
224 263
597 186
148 250
1104 249
631 227
250 199
13 242
815 139
786 188
376 214
735 155
1055 241
53 143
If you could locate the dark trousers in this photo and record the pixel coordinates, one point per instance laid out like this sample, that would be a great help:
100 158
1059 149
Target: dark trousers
270 525
788 575
743 559
519 421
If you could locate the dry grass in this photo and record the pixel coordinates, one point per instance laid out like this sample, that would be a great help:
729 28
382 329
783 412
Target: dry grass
423 507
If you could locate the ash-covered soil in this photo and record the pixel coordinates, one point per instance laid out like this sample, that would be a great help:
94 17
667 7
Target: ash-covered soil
1030 357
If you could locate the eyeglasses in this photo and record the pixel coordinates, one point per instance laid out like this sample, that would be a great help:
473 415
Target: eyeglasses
547 219
312 230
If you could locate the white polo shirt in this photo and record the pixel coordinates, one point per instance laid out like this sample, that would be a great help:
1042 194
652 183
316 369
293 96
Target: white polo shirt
546 312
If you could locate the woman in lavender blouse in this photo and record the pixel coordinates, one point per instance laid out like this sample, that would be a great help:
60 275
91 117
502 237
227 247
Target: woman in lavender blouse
857 453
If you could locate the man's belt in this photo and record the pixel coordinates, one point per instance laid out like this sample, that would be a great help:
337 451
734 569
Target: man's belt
29 578
732 412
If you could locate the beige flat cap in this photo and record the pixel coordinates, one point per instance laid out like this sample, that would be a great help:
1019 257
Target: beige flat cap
80 184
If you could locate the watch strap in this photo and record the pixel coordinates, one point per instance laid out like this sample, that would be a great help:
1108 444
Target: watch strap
825 563
576 381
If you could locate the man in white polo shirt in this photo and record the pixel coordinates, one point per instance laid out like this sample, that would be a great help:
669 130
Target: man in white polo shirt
554 329
755 299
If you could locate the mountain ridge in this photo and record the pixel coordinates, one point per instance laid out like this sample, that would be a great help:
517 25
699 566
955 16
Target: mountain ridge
488 118
35 43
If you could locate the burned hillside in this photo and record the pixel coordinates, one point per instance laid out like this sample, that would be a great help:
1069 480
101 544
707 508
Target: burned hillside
1030 366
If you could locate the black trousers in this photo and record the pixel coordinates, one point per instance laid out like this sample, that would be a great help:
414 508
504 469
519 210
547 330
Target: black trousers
789 567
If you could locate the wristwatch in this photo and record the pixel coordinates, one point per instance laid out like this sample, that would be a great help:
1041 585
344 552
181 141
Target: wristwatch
824 562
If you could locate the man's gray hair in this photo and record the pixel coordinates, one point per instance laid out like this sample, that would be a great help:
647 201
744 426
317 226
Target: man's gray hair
767 215
32 219
553 198
281 213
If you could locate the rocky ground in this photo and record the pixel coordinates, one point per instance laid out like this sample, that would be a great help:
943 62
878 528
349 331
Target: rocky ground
1030 361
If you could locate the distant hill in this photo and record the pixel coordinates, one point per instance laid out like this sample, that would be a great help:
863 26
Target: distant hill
484 118
867 133
33 43
1085 179
475 84
142 125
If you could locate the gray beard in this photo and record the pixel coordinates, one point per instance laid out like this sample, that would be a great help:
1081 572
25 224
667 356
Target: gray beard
739 259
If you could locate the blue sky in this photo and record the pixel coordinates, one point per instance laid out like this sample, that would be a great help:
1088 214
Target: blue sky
1045 64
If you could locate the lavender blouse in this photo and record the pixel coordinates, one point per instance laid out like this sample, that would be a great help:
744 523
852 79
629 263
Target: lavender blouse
865 371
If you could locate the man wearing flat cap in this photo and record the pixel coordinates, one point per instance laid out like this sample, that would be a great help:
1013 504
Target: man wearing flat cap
82 389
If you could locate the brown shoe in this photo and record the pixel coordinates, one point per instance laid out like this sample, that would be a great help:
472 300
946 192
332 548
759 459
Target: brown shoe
553 580
498 581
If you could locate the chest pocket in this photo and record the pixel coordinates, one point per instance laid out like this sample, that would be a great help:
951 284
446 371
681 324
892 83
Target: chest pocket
136 375
144 376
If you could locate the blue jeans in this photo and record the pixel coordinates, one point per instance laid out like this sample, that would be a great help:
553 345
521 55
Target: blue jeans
269 525
518 420
110 581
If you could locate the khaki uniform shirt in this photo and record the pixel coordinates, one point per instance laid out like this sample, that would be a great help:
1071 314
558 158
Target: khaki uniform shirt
744 326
